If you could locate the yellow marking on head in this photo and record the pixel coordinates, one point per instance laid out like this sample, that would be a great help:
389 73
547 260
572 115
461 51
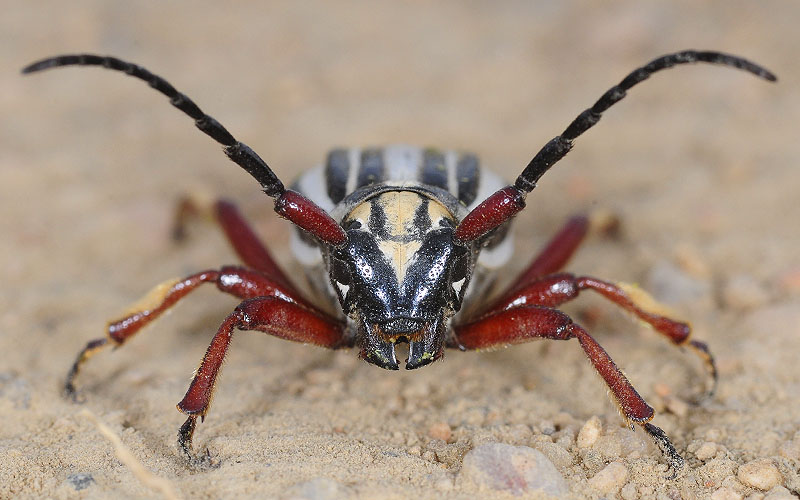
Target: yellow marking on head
400 209
400 255
437 211
360 213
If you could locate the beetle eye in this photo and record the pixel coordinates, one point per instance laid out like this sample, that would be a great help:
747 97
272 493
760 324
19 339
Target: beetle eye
353 224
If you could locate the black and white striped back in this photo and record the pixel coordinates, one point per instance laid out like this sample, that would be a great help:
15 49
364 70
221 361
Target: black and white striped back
349 170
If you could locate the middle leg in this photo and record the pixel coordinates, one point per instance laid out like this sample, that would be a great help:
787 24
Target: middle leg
556 289
562 246
525 323
238 281
238 231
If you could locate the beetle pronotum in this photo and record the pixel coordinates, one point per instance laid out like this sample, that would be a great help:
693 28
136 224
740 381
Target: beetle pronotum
400 241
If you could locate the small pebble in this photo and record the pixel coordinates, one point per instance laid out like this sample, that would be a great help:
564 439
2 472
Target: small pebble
744 292
632 444
779 493
761 474
610 479
440 430
662 390
690 259
789 281
726 493
628 492
560 457
672 285
514 469
608 446
80 481
706 450
319 488
791 449
442 481
548 428
589 432
676 406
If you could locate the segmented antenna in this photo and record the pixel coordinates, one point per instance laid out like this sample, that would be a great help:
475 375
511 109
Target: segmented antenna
560 145
289 204
237 151
509 201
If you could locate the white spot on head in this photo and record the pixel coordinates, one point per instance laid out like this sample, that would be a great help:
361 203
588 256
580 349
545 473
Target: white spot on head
343 289
457 285
365 270
437 268
496 257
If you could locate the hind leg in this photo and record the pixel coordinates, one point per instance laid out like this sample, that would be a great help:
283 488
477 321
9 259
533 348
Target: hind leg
530 322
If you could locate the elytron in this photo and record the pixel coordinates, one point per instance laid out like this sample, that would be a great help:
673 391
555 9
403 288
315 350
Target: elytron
403 243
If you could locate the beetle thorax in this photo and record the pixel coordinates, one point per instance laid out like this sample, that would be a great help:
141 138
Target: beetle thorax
400 275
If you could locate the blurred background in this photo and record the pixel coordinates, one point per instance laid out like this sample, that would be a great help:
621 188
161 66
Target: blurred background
700 164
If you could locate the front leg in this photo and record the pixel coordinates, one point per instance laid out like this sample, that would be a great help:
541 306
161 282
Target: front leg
273 315
525 323
238 281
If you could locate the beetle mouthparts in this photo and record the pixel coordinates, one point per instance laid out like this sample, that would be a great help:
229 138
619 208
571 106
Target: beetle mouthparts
425 344
380 352
423 352
406 326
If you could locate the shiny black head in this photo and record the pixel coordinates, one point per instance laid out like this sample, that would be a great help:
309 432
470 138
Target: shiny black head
400 276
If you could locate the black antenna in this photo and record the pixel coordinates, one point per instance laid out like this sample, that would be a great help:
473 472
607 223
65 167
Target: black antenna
559 146
238 152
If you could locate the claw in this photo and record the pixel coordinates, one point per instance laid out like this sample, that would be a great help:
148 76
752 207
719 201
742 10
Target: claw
701 348
674 459
202 461
91 348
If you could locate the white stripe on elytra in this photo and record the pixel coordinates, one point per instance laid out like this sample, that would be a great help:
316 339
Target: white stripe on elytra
488 183
355 167
498 255
450 161
402 162
314 186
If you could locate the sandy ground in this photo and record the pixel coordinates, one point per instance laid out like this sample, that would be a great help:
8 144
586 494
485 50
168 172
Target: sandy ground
700 164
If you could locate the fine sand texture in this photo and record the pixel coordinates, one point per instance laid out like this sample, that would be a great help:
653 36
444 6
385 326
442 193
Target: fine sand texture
699 165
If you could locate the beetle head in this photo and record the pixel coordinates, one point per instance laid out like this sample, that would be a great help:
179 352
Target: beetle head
400 275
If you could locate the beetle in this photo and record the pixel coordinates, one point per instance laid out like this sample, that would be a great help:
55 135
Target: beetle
403 242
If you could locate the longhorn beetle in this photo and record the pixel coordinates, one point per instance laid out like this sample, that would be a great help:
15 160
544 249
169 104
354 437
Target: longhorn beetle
402 242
